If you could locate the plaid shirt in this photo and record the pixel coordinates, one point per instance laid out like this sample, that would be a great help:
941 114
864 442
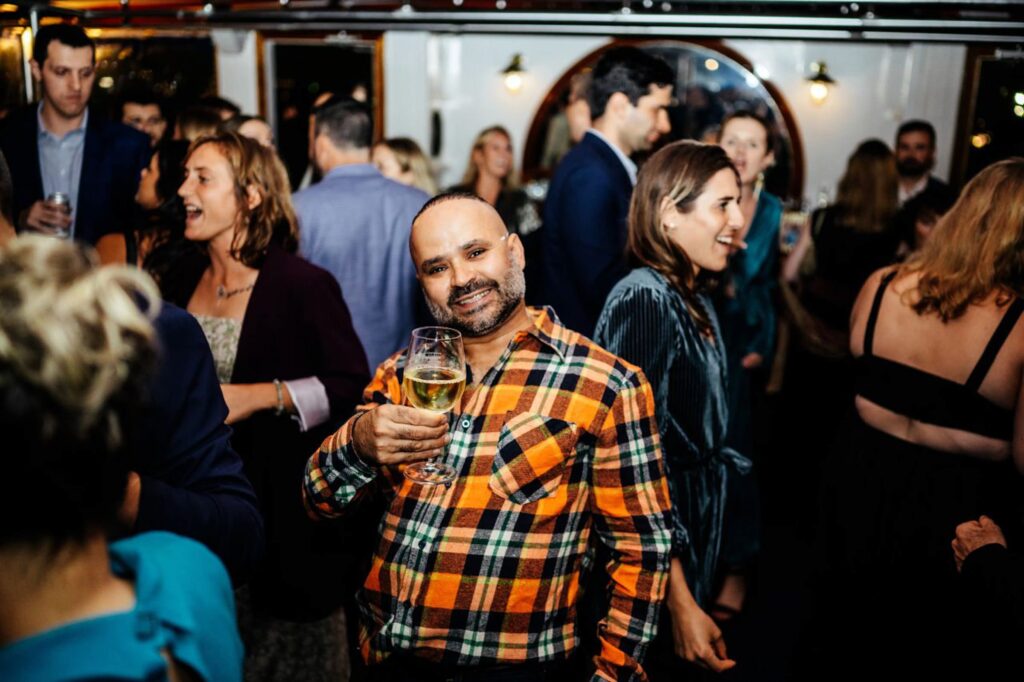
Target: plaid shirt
557 439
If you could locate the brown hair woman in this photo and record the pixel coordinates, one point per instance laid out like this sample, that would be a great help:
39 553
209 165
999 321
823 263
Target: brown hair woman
683 219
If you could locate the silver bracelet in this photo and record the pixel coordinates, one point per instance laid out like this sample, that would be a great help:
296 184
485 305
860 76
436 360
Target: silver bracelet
280 398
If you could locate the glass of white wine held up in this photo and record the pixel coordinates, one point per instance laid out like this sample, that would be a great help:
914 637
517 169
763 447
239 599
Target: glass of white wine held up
434 379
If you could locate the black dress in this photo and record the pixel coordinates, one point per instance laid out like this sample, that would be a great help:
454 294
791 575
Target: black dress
888 595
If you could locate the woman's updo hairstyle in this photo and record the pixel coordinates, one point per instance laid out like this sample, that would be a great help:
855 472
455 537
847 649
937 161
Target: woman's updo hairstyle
76 350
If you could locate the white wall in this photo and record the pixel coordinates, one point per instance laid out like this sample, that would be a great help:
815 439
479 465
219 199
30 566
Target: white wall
236 68
878 86
460 75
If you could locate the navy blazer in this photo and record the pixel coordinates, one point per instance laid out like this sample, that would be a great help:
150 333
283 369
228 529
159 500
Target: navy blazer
113 156
584 235
192 481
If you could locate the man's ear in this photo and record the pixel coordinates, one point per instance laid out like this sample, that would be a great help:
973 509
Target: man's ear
37 69
253 197
515 249
618 106
322 147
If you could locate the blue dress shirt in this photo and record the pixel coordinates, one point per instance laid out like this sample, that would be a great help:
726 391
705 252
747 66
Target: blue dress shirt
355 224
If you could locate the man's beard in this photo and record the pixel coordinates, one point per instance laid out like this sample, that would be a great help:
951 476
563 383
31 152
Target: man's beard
912 168
510 294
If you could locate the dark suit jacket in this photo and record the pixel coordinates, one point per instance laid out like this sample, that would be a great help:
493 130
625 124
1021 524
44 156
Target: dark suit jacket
192 481
584 235
297 325
113 156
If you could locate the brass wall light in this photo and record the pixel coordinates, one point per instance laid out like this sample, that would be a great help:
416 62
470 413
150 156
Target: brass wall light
820 82
513 73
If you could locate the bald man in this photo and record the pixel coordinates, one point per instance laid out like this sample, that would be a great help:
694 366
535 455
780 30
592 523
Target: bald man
554 439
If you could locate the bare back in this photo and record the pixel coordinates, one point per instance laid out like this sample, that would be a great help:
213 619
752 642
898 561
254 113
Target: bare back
949 350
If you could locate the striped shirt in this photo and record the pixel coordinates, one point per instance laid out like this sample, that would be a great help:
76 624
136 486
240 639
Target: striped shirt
556 440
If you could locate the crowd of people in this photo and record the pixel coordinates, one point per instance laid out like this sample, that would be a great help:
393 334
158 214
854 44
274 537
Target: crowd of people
208 370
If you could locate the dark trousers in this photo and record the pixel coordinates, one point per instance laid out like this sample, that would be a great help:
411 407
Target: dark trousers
411 669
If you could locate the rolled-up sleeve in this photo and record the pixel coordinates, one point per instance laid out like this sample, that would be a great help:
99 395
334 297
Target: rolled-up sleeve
336 477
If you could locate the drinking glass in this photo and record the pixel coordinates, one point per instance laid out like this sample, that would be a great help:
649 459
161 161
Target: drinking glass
435 377
794 220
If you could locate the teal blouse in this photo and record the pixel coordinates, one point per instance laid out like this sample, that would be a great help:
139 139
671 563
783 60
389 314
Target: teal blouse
184 606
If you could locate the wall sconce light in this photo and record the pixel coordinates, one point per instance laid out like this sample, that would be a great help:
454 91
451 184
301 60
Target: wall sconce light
820 82
513 73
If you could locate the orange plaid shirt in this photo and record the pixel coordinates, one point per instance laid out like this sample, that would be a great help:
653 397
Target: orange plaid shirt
555 441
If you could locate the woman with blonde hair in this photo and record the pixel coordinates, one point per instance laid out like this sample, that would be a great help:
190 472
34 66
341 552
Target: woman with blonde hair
683 219
402 160
490 174
291 369
937 437
77 348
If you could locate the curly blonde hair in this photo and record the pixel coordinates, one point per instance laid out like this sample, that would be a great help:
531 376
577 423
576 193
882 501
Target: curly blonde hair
977 248
76 347
72 331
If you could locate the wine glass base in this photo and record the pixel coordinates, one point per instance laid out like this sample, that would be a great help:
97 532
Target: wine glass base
429 473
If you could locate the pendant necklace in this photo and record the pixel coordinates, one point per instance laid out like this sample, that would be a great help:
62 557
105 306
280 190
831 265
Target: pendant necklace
223 293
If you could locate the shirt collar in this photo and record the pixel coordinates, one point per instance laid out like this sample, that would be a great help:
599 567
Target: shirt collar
915 190
353 170
44 132
627 162
549 330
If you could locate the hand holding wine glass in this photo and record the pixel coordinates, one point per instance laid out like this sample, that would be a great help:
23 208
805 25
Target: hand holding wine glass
434 379
396 434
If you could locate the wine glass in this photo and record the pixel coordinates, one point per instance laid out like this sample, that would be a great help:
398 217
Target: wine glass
435 377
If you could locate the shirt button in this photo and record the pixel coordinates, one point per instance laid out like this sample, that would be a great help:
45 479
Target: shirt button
466 423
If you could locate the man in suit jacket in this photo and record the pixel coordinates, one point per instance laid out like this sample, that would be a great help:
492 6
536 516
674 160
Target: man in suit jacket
58 147
918 189
584 235
915 158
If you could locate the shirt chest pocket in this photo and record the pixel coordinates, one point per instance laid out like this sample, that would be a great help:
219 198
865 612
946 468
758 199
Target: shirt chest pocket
531 458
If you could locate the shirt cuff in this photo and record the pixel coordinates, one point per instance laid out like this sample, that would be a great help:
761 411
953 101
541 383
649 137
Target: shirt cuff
310 399
348 460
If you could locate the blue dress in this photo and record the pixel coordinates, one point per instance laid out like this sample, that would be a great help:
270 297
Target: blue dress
746 311
646 322
184 606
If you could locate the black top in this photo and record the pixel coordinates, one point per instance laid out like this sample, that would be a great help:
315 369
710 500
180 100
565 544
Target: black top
844 259
930 398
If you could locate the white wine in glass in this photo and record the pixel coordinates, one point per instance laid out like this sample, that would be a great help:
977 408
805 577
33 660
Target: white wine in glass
434 379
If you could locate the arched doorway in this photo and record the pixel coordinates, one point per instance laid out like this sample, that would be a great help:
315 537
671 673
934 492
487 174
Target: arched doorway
711 82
